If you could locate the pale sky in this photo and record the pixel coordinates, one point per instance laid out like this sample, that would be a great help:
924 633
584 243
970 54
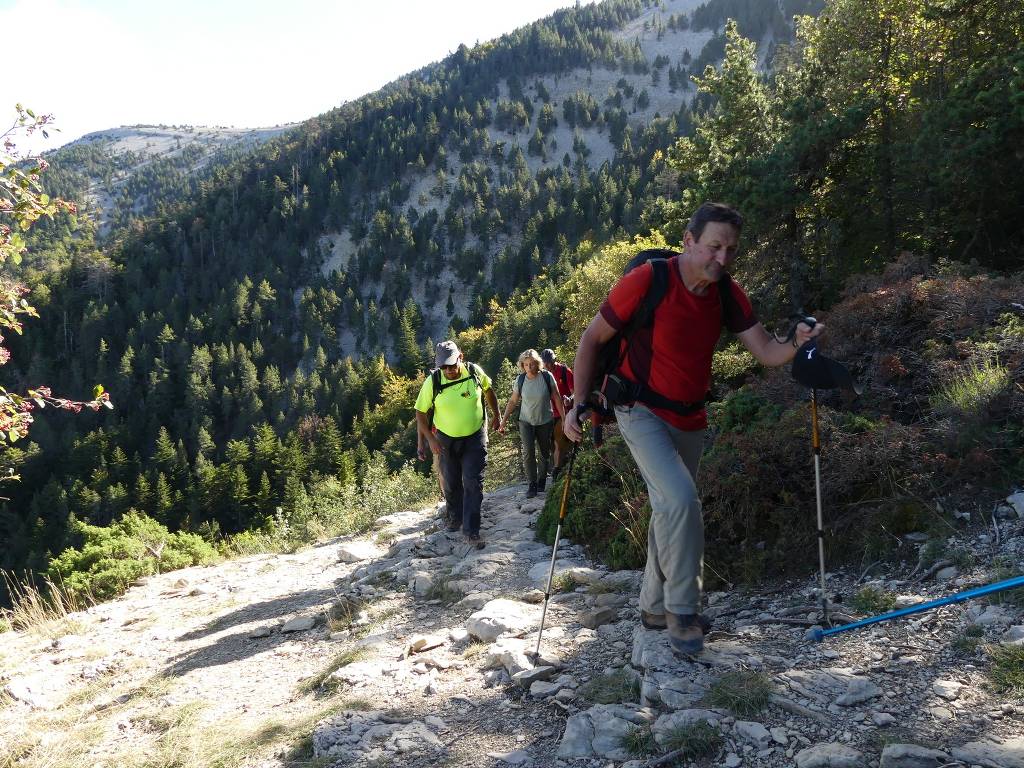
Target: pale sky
97 64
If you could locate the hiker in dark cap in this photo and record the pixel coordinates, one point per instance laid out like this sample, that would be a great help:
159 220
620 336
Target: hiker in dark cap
455 392
666 365
564 379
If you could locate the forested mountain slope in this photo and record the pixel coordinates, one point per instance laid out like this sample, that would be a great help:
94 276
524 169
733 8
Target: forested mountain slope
222 326
498 191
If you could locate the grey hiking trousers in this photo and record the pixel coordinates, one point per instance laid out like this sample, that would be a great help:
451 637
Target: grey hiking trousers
668 459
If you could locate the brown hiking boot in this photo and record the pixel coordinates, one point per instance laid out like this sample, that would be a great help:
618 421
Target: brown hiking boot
652 620
474 540
656 621
684 633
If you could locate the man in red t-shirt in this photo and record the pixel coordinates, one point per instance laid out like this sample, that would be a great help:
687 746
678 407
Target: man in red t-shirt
672 356
564 380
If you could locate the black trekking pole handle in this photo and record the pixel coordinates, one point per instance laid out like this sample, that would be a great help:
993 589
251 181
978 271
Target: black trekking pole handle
795 319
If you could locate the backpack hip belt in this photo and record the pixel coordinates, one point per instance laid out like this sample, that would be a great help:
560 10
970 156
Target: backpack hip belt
616 389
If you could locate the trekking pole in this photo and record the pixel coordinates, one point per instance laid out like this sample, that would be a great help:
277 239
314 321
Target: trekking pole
1018 581
554 550
816 443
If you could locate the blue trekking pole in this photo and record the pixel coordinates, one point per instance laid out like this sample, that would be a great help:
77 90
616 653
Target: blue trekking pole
821 634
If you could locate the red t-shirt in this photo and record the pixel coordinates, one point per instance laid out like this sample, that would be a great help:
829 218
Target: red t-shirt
674 354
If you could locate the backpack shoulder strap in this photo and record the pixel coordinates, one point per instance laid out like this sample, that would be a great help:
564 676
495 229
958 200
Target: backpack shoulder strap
548 381
435 385
519 382
644 314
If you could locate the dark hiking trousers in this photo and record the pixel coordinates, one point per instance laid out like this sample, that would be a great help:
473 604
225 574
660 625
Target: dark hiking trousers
462 473
534 435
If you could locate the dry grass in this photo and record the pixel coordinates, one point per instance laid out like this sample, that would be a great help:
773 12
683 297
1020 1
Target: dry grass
743 692
321 680
42 609
619 686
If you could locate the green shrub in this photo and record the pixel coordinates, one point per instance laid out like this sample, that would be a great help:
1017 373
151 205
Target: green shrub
873 600
602 480
972 392
111 558
732 364
743 411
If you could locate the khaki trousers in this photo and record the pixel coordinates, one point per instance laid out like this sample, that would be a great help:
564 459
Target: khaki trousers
668 459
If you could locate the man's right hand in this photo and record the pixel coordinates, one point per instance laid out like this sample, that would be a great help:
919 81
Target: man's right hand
571 427
435 445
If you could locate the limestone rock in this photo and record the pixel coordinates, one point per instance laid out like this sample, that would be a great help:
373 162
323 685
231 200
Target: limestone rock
517 757
39 691
755 733
355 735
510 654
993 754
421 583
540 689
539 572
527 677
578 738
601 729
858 690
911 756
1013 636
357 551
502 617
299 624
947 689
830 755
595 618
1017 502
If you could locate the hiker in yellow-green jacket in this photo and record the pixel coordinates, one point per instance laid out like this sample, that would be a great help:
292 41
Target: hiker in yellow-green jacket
456 391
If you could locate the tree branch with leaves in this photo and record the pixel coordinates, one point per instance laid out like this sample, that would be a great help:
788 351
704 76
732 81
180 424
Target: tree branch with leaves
22 203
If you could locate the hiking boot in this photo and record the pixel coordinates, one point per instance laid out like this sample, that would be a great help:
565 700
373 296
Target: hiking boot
531 491
540 484
684 633
656 621
454 525
474 540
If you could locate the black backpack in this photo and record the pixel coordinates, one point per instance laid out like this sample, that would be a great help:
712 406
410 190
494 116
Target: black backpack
439 384
612 388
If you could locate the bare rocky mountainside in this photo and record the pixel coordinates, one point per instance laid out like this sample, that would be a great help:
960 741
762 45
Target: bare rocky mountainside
410 649
130 169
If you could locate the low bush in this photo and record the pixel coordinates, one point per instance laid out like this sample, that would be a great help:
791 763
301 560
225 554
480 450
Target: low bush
602 479
110 558
872 600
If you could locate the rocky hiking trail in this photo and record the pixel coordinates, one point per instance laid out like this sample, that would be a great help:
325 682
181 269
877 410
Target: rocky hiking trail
409 648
